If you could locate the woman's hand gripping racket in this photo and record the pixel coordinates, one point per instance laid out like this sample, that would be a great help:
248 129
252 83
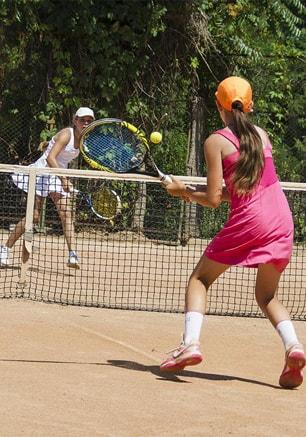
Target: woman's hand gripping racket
114 145
104 202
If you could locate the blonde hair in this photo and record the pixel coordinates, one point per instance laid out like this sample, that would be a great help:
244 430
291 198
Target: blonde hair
249 166
42 146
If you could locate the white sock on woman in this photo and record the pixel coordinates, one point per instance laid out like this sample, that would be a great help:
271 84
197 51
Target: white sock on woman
287 333
193 325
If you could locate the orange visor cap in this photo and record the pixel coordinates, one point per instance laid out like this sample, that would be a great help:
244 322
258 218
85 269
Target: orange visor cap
234 89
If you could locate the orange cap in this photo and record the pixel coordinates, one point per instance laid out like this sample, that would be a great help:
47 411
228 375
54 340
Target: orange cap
233 89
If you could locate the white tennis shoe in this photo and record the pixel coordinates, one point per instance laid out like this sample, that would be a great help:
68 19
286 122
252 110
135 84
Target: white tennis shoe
4 256
73 260
182 356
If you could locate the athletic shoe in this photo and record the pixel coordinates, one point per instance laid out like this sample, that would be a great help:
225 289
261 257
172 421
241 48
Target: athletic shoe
4 256
292 375
73 261
182 356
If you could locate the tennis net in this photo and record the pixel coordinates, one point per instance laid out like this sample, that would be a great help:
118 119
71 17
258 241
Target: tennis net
142 259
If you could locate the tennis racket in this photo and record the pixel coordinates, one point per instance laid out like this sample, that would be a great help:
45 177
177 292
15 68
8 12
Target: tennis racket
113 145
104 203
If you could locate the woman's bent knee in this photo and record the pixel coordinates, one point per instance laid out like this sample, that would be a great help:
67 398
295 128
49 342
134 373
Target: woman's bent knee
195 277
263 301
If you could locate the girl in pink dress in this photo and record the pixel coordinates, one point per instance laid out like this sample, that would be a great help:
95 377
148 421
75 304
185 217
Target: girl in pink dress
258 232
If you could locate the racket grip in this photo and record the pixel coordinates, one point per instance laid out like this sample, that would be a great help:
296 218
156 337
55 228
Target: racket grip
191 188
165 179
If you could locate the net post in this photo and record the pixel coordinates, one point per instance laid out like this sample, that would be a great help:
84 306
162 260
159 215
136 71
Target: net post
28 233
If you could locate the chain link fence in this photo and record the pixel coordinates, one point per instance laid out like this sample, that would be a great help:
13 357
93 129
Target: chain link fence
20 136
23 128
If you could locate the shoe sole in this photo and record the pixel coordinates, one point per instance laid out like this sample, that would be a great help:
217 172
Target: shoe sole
292 375
192 360
73 266
4 265
296 360
291 378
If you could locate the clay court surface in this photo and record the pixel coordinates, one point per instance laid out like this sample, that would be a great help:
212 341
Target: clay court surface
77 371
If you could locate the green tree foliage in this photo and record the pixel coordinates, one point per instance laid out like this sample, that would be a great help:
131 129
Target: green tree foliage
75 52
138 59
129 59
264 41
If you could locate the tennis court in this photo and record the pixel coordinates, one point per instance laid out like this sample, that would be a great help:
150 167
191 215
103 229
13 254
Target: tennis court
88 364
100 103
76 371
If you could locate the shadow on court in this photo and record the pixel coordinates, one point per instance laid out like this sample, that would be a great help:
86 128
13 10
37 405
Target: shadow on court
135 366
9 267
53 271
132 365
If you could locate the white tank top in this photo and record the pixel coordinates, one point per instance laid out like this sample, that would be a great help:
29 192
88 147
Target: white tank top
64 157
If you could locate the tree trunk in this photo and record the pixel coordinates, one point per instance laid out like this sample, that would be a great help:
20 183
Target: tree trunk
194 165
140 208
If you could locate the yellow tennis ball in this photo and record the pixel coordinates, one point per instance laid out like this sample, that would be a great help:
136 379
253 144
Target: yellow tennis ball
156 137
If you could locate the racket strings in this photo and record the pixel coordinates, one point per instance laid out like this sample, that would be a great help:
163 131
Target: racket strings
105 203
114 147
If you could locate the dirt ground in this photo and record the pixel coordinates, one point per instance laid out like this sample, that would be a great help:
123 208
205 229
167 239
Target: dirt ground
83 372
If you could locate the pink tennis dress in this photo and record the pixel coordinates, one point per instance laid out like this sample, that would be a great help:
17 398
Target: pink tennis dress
259 229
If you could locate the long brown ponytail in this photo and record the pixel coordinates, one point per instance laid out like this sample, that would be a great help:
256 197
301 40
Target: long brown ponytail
250 165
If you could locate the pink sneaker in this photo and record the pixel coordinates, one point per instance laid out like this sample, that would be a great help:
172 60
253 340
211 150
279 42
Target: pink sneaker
182 356
292 375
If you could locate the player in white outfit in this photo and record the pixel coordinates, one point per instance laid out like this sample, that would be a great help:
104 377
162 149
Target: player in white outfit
62 149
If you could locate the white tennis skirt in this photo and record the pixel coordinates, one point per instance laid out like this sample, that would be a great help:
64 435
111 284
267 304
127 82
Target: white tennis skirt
45 184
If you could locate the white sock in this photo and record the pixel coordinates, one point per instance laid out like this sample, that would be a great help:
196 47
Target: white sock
287 333
193 325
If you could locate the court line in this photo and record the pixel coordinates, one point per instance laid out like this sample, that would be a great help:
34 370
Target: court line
113 340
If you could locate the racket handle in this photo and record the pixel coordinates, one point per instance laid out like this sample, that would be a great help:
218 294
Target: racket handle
191 188
165 179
